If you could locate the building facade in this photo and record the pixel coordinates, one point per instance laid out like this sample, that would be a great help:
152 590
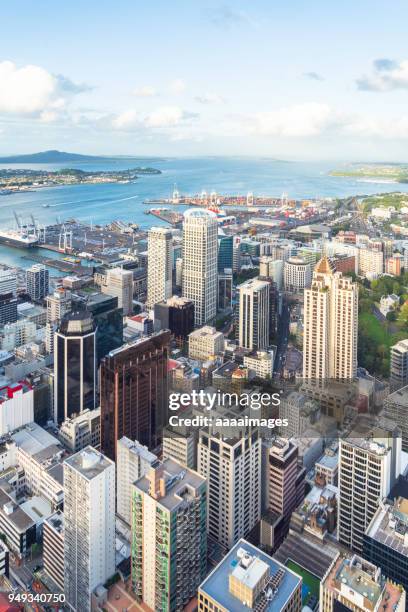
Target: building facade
330 325
169 540
133 392
200 263
89 525
254 314
37 282
74 365
159 265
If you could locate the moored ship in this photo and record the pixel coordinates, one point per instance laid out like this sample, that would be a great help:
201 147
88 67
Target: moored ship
18 238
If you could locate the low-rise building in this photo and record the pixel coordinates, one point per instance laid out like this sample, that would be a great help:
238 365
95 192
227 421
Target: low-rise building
356 584
205 342
16 525
247 578
40 455
327 468
82 430
260 363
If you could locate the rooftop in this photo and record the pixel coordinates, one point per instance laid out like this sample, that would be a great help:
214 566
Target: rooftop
389 526
14 514
56 522
178 480
37 508
138 449
216 585
328 461
89 462
32 439
7 392
356 576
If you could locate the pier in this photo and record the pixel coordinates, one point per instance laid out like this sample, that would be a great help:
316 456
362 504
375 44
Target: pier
60 264
169 216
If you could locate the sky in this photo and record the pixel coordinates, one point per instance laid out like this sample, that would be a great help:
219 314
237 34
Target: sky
289 79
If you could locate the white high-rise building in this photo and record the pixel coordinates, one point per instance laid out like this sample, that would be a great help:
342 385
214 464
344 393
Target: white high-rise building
119 283
272 268
330 325
232 467
399 365
58 304
37 280
200 247
368 468
254 314
159 265
18 333
370 262
133 461
297 274
89 525
8 282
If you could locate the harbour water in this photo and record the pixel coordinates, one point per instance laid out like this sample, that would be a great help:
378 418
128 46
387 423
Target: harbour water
102 203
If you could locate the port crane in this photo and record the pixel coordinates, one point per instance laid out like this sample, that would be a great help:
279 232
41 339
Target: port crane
65 239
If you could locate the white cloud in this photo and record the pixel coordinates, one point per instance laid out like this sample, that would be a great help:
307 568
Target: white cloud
177 86
300 120
32 90
162 117
387 75
127 119
145 92
209 98
166 116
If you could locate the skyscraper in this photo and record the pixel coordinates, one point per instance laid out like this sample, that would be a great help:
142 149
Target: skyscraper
368 468
200 263
89 525
119 283
159 265
177 315
254 314
108 318
37 278
133 392
399 365
8 300
225 251
169 539
330 325
232 467
297 274
285 482
74 365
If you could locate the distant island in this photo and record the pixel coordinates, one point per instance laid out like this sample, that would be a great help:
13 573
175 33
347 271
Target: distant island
61 157
13 180
375 172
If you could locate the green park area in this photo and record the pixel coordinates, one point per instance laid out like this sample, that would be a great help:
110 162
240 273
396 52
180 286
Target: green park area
384 200
375 334
311 584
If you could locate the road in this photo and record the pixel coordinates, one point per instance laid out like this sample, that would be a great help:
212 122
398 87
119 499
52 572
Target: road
283 336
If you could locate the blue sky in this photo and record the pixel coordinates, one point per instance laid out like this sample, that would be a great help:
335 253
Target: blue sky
293 79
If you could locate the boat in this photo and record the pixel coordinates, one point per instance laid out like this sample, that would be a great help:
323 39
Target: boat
18 238
5 191
46 205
